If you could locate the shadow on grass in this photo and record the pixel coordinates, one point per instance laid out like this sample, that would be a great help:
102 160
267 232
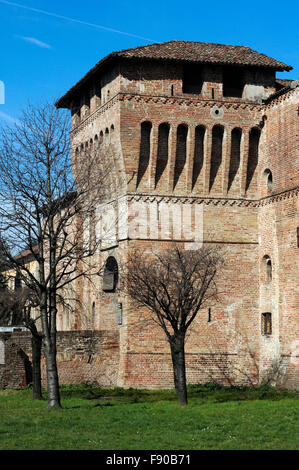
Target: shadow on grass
211 391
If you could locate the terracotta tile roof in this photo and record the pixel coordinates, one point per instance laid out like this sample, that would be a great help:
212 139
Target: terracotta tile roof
204 52
186 51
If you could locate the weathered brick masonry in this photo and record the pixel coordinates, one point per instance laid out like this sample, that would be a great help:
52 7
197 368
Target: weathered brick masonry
82 357
203 141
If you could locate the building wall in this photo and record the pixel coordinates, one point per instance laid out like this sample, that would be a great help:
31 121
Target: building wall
167 79
278 224
174 152
82 357
190 168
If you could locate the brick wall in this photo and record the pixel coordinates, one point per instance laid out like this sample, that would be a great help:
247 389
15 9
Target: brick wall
15 366
82 357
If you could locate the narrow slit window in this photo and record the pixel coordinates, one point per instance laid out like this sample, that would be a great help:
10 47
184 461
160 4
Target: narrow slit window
267 268
267 324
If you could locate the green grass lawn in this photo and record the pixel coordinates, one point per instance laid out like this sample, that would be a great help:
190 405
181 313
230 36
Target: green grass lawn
94 418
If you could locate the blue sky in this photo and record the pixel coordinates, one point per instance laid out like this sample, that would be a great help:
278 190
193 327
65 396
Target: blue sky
47 46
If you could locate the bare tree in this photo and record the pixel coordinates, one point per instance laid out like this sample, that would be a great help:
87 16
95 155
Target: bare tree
174 286
49 196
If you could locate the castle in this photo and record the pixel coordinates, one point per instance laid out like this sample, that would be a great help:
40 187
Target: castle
203 139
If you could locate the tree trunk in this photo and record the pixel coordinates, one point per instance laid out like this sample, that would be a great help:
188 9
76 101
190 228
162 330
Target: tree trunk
52 373
177 345
36 343
49 339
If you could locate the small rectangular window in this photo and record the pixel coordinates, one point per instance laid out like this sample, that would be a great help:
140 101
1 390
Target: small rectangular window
267 324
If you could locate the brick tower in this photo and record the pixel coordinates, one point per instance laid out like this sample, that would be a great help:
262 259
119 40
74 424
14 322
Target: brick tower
203 141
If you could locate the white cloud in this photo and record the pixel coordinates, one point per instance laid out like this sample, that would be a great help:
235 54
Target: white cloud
67 18
35 41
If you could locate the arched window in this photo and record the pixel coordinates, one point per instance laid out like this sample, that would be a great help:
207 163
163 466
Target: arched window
216 156
267 269
268 179
235 153
198 153
253 154
145 147
162 156
110 277
181 152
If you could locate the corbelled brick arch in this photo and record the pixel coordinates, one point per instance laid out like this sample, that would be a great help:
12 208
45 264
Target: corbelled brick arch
198 158
253 158
180 157
234 162
216 159
145 151
162 152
